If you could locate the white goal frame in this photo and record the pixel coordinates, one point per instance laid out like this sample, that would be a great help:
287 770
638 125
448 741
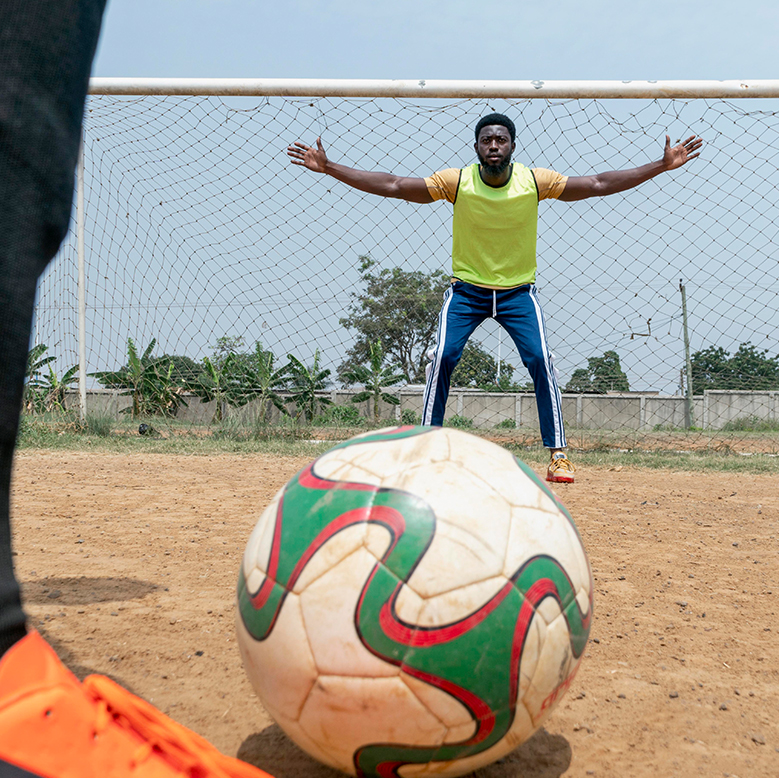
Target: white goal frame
413 89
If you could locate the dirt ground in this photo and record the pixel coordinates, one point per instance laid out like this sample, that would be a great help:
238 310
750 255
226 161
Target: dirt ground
129 565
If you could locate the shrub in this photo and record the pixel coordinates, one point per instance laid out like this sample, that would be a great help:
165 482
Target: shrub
339 416
460 422
100 424
506 424
410 418
751 424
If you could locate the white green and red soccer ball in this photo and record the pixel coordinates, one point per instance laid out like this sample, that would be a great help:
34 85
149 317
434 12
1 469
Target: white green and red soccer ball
414 602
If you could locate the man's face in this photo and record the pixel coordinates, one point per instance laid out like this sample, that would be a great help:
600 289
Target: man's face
494 149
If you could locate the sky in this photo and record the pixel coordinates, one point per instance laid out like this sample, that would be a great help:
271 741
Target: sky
211 249
440 39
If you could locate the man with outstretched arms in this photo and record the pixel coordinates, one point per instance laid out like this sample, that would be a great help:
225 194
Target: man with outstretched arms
494 226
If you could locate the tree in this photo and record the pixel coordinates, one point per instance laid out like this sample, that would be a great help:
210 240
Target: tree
304 383
400 307
602 374
224 347
186 371
478 369
749 368
374 378
752 368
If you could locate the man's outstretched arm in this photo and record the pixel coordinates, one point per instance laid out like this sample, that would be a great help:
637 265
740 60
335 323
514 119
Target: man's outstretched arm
383 184
581 187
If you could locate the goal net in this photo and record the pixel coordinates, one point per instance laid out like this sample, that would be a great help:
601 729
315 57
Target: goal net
201 236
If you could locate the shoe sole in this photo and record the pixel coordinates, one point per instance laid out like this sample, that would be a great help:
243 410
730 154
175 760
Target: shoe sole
560 479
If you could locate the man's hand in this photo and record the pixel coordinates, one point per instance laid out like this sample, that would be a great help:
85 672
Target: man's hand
383 184
676 156
313 158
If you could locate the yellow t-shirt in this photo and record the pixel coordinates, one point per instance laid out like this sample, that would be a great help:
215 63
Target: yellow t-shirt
443 184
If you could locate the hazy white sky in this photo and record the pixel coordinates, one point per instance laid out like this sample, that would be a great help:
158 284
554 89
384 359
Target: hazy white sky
434 39
685 230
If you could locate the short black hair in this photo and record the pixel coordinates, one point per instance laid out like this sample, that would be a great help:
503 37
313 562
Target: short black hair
496 118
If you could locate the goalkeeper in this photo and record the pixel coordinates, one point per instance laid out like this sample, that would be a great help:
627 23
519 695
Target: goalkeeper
495 203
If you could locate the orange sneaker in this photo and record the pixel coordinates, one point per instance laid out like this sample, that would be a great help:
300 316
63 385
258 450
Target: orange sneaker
52 726
560 470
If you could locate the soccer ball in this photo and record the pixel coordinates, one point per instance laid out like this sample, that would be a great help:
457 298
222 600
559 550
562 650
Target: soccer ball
416 599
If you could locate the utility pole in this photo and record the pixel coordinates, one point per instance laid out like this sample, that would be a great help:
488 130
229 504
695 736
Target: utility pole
689 416
500 343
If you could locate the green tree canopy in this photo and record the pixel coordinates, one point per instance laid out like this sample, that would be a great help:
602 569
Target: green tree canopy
602 374
185 371
400 307
749 368
478 369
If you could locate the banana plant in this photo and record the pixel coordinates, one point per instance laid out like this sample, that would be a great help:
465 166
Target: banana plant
304 383
149 382
34 384
215 383
256 380
375 377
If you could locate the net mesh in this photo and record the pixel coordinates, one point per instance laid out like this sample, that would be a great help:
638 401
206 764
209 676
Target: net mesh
198 228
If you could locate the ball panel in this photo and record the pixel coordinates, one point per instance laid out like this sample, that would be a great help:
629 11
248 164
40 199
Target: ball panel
257 552
408 606
521 729
331 553
536 533
281 668
377 540
295 733
472 524
391 457
584 601
531 652
343 714
554 669
548 610
255 579
458 604
335 469
443 706
329 606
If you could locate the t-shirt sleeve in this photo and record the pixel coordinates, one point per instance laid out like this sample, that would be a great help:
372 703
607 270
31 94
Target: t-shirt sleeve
443 184
550 184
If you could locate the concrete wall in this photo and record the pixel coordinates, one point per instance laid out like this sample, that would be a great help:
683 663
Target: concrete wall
631 411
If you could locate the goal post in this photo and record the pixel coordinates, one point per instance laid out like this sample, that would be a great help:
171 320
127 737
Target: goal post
197 231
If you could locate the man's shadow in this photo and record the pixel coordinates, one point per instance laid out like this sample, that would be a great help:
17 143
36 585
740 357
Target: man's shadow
81 590
542 756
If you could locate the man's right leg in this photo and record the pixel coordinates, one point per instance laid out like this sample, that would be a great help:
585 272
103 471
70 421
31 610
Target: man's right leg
465 308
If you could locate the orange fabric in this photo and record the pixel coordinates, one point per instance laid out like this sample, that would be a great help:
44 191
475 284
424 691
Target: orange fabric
443 184
55 727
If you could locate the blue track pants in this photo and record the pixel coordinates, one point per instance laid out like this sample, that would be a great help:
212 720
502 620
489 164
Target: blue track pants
519 313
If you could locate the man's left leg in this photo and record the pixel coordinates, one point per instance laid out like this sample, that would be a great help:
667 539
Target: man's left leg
519 312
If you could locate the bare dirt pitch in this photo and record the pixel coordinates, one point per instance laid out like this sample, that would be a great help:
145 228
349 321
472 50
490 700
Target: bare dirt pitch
129 566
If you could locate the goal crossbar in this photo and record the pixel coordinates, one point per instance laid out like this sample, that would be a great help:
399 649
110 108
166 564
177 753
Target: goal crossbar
423 88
